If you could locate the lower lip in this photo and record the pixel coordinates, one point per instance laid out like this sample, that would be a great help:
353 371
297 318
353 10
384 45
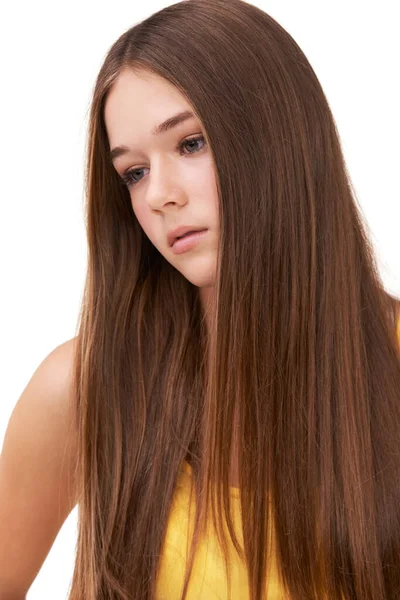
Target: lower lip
188 242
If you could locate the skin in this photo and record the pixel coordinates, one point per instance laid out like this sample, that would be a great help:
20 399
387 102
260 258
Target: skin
173 186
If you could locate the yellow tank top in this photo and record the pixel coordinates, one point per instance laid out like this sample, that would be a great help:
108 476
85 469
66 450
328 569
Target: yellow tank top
208 580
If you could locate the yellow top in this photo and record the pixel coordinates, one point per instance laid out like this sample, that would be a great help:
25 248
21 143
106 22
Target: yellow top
208 579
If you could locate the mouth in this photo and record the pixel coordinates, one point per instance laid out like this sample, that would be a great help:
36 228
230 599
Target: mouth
188 241
179 237
182 232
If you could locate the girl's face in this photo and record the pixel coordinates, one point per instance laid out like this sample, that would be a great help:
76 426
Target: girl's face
170 175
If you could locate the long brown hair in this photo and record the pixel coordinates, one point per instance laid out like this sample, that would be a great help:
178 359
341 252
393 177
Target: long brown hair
302 342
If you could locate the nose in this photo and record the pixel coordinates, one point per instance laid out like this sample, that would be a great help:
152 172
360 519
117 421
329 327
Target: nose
164 185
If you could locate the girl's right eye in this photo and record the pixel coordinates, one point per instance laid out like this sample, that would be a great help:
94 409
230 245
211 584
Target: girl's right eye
127 176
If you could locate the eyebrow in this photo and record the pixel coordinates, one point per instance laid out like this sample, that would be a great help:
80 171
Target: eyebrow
166 125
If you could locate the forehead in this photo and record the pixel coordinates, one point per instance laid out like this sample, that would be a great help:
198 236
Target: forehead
143 98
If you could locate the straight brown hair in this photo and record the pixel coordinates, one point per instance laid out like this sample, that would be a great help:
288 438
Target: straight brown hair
302 341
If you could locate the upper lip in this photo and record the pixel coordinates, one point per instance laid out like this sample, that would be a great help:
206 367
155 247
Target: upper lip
179 231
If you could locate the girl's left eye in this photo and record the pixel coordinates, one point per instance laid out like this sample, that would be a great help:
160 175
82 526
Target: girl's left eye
127 177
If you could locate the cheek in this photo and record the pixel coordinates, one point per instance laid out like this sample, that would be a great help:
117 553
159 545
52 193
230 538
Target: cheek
210 191
144 219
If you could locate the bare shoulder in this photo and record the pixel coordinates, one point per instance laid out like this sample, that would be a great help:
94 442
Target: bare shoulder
37 470
48 396
55 371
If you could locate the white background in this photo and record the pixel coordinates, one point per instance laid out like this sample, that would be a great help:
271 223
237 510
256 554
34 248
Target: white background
50 54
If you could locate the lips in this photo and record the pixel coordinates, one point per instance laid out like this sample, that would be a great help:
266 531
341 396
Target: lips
188 242
179 237
181 231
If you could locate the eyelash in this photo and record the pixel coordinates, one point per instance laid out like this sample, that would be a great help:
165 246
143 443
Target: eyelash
126 177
